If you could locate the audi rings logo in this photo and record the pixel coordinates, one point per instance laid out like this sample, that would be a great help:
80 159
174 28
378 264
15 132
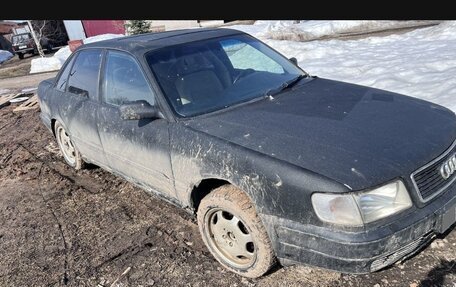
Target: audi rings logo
448 167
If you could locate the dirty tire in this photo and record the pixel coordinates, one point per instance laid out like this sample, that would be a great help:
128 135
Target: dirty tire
227 200
65 144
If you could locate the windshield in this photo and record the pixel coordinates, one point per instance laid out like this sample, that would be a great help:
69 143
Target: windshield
21 38
209 75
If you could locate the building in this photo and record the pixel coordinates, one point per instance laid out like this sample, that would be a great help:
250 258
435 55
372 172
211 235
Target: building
81 29
6 31
69 30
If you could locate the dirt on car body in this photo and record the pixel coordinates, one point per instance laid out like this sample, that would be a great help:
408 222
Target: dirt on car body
61 227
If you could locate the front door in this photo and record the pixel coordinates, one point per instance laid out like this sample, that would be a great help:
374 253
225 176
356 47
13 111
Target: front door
138 149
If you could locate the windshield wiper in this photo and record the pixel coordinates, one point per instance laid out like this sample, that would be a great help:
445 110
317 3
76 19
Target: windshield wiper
285 85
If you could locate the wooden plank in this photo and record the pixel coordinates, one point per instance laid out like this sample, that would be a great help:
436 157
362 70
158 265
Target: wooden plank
4 100
30 104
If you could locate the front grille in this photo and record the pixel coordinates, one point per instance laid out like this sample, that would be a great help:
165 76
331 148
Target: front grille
402 253
428 181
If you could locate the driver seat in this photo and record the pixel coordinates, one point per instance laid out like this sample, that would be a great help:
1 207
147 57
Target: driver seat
197 81
198 87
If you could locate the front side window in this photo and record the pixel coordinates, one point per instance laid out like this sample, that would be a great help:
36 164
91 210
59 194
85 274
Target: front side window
84 73
212 74
124 81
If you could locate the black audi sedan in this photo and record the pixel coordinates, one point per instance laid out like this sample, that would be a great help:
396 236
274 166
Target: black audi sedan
278 165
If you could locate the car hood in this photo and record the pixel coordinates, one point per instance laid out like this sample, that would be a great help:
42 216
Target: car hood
358 136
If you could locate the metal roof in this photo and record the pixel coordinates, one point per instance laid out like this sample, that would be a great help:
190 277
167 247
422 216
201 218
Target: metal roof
152 41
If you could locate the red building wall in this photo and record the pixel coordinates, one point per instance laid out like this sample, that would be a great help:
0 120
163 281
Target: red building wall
97 27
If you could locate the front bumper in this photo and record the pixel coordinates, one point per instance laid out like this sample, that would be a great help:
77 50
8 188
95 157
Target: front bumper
46 121
24 51
368 250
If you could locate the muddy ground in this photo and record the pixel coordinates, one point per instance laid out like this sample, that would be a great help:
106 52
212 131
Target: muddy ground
60 227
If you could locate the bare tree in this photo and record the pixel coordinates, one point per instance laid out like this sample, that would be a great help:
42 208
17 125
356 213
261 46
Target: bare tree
48 33
40 26
50 29
36 39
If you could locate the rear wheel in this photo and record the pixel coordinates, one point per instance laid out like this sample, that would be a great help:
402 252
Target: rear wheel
20 55
69 151
234 233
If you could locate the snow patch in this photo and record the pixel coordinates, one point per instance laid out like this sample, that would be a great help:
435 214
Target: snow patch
29 90
5 56
39 65
312 30
420 63
58 59
62 54
4 91
101 38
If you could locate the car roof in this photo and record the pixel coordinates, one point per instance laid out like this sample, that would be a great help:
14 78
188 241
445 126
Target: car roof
138 44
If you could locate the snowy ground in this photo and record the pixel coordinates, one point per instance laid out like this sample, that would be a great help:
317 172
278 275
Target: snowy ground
312 30
421 63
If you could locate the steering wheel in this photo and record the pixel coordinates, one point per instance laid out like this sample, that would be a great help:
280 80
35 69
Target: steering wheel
242 74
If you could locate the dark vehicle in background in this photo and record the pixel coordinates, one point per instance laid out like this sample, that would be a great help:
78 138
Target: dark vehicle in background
276 164
24 44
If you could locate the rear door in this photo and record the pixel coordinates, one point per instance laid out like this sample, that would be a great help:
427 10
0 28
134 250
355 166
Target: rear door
80 103
138 149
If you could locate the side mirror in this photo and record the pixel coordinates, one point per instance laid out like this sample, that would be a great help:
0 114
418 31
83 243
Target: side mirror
294 61
78 91
138 110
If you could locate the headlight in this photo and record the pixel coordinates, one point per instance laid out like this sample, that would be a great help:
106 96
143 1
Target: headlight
356 209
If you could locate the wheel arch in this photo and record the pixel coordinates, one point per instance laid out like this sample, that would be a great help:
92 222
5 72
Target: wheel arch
207 185
56 120
53 121
203 188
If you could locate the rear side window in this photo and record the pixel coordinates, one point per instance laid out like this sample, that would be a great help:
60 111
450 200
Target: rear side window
84 74
124 81
61 83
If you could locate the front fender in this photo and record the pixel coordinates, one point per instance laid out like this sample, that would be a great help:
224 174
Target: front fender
275 187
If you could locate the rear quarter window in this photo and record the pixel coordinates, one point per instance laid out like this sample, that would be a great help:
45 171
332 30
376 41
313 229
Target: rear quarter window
22 38
61 83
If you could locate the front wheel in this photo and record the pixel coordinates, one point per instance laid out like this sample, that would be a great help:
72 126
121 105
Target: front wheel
70 153
20 55
233 232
